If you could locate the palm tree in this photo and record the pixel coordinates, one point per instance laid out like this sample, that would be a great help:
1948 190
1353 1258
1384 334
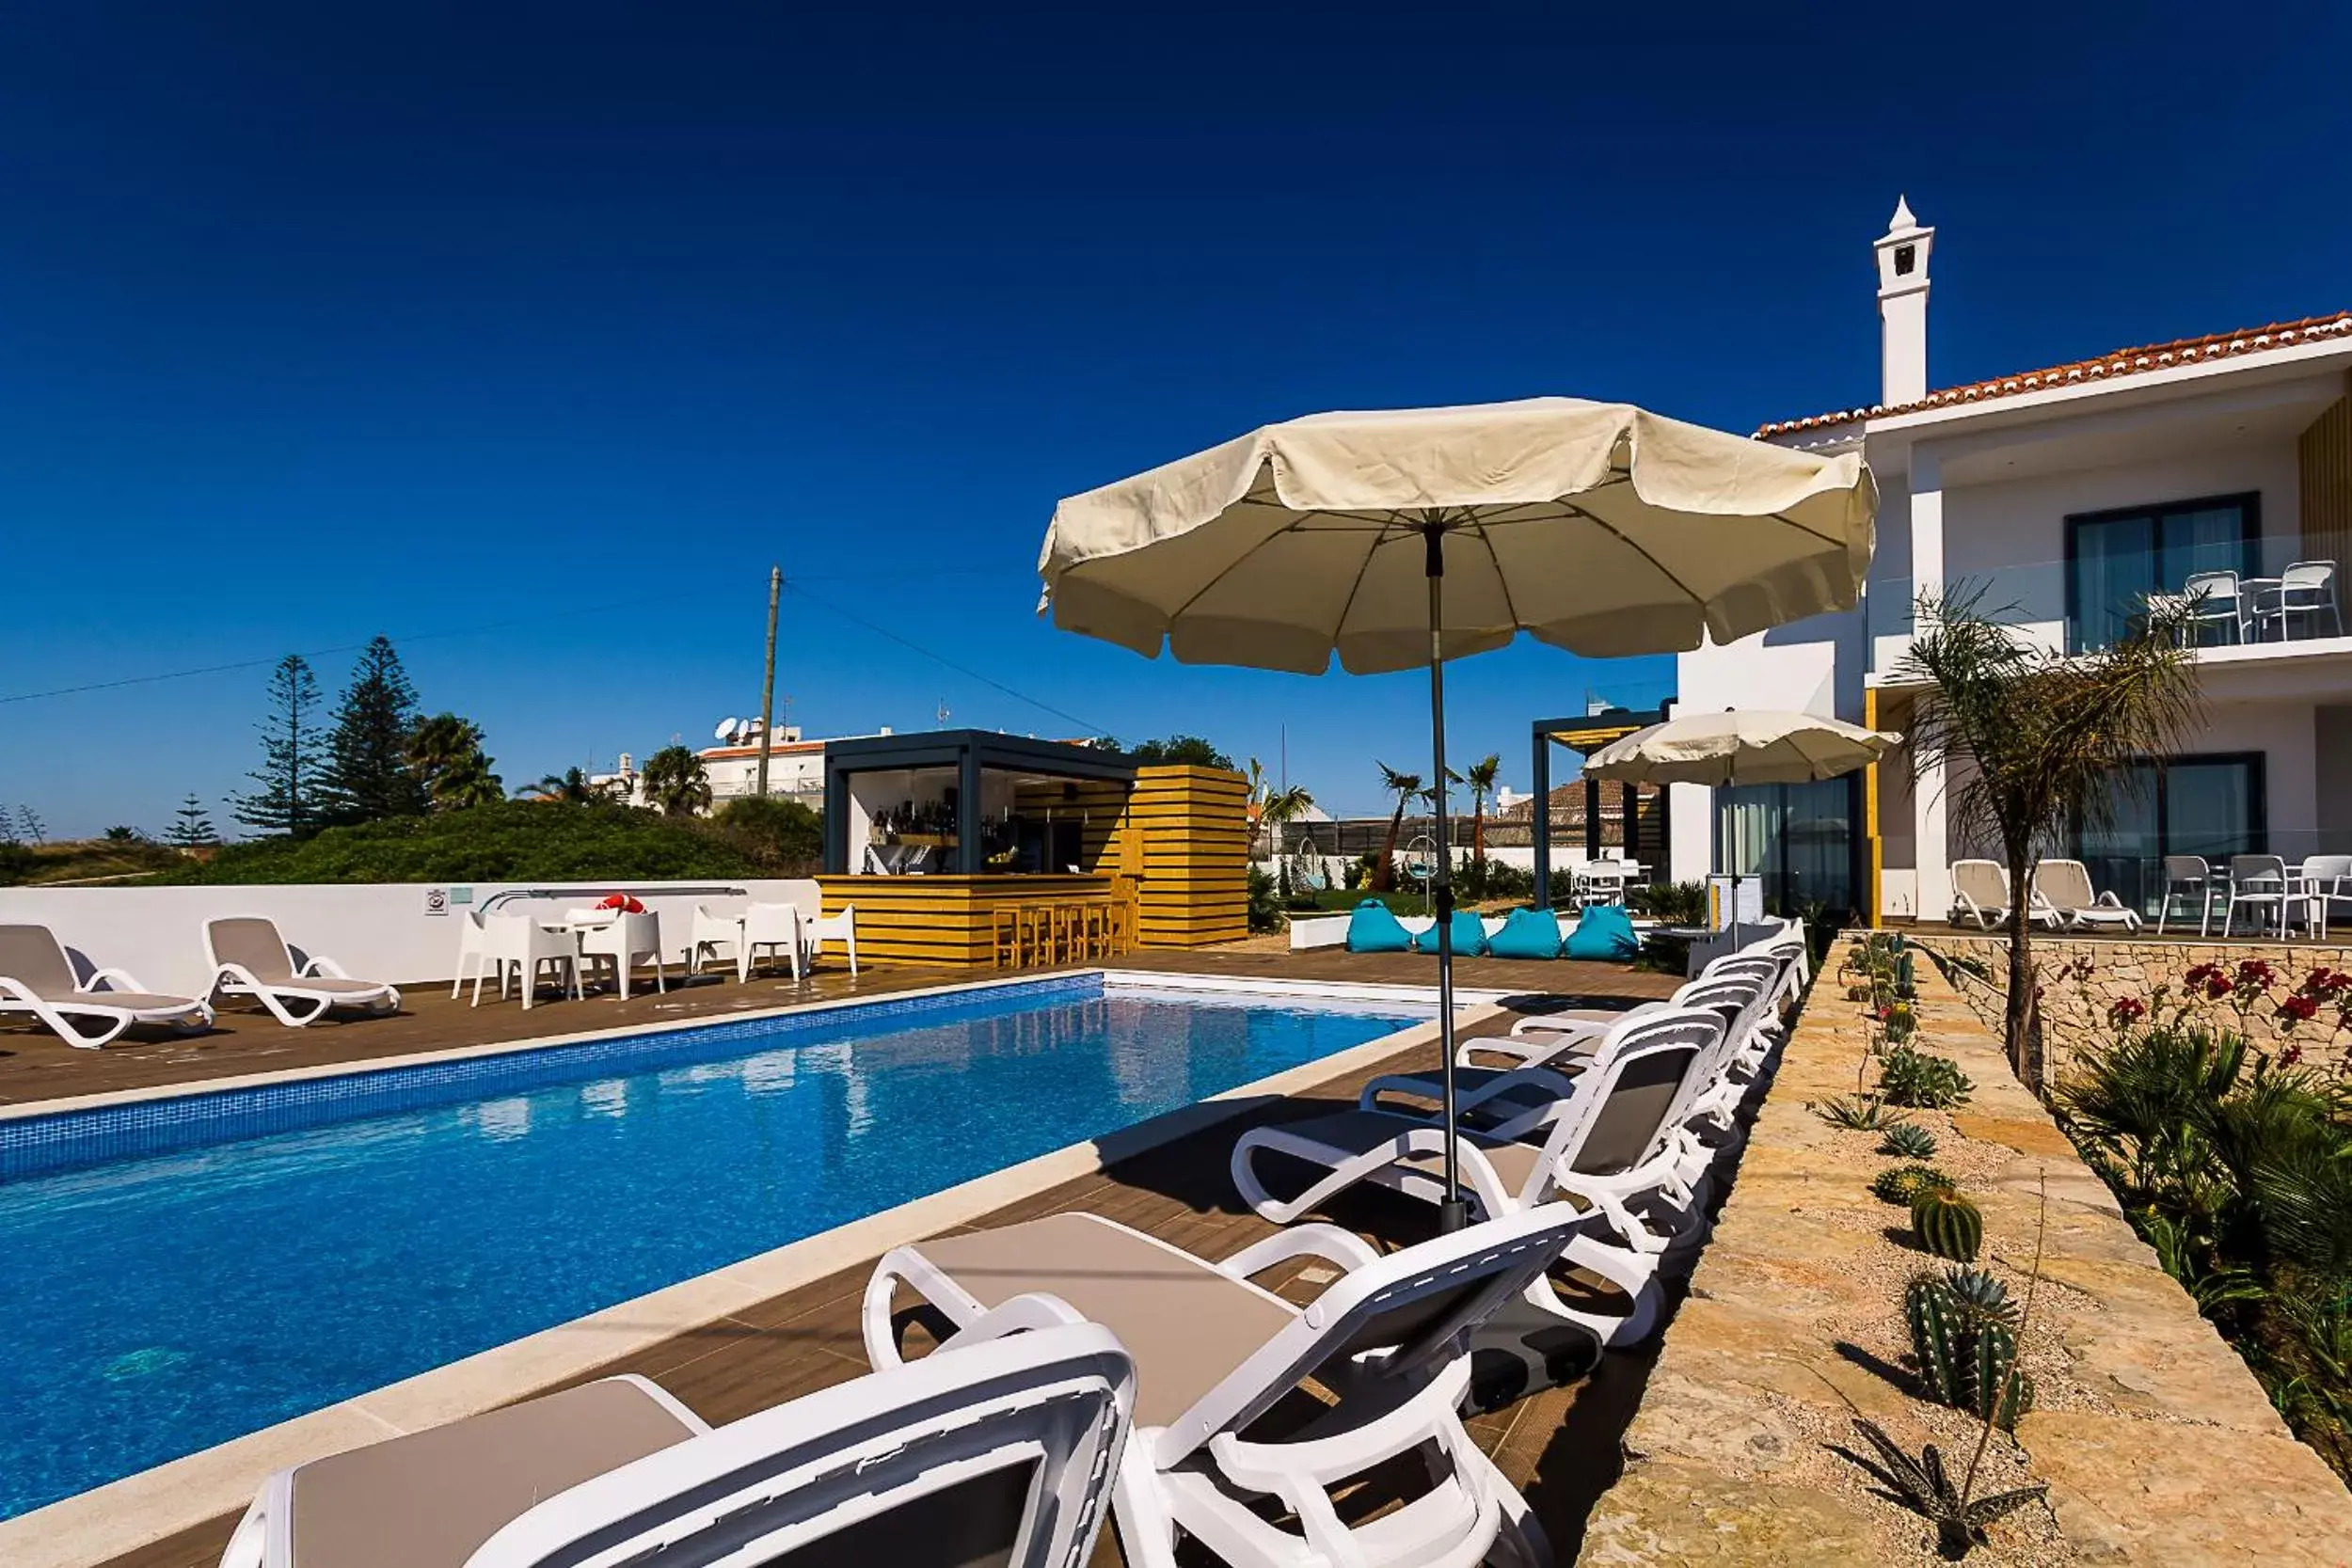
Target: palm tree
1483 774
1406 787
445 752
1277 811
676 782
2045 736
571 788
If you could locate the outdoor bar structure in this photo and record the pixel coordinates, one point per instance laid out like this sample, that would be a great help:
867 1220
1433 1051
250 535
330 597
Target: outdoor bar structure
1585 736
971 848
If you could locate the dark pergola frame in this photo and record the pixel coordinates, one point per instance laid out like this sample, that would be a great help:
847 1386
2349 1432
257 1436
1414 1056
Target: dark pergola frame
969 753
1583 734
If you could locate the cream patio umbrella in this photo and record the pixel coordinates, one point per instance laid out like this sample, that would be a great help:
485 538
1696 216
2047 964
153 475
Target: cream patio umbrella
1735 747
1408 537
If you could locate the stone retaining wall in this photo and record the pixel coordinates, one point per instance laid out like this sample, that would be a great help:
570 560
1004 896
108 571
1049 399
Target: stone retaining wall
2082 978
2156 1442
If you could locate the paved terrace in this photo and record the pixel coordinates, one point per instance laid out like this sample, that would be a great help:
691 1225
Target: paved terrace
807 1339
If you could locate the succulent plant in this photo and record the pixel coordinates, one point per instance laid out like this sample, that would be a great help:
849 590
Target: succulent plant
1902 1183
1907 1140
1927 1486
1948 1224
1983 1298
1912 1077
1966 1360
1862 1114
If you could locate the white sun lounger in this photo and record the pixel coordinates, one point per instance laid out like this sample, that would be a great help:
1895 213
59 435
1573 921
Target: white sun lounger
250 959
1616 1146
1214 1353
37 977
2062 894
1000 1452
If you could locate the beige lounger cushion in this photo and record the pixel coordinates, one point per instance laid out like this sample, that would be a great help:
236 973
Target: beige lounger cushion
29 954
254 945
1186 1325
326 985
128 1001
431 1498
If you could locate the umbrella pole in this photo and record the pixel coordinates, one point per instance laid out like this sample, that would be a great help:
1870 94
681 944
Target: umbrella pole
1452 1213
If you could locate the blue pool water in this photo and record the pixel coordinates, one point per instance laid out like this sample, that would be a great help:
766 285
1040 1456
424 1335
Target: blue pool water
157 1304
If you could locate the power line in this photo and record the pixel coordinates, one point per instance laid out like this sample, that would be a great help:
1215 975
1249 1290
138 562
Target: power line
1088 726
699 592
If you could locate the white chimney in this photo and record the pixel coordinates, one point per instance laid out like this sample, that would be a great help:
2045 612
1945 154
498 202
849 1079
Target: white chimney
1903 256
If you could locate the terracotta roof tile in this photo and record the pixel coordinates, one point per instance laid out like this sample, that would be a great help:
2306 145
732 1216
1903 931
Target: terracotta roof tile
2106 367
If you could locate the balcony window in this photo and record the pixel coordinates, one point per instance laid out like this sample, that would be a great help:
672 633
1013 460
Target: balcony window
2211 806
2115 560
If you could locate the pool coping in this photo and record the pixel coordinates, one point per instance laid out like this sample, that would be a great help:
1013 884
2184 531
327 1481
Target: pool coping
93 1527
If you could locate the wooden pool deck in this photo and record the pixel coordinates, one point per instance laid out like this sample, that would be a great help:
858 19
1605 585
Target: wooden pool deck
1557 1445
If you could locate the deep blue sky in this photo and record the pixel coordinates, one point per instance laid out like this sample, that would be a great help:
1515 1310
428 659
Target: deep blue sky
317 321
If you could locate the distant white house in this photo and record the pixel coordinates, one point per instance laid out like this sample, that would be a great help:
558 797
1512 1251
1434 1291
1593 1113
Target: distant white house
796 768
2065 494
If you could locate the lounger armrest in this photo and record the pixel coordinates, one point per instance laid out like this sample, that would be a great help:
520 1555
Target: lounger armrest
1277 1469
119 979
1021 1314
323 965
1326 1241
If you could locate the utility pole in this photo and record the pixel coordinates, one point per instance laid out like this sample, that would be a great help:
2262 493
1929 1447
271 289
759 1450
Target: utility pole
768 681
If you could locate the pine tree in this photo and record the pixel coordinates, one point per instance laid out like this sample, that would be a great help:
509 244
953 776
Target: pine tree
288 801
191 828
367 774
29 826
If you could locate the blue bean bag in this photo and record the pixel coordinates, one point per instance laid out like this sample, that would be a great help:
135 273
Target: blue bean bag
1372 930
1605 932
1470 935
1527 934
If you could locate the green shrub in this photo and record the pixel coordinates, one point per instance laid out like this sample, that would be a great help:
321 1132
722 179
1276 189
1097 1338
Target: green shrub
1265 908
785 837
517 841
1672 903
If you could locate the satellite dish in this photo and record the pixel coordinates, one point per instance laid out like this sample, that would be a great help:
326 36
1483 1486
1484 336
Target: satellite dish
725 730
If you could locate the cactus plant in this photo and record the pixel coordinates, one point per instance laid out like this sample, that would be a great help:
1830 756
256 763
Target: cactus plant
1907 1140
1906 977
1967 1357
1948 1224
1909 1076
1983 1298
1861 1114
1902 1183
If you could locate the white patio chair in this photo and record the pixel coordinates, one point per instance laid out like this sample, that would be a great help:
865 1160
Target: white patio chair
249 957
2260 882
2214 601
36 977
629 938
2325 882
1001 1452
2061 890
1980 894
1388 1342
2188 877
817 927
472 948
519 943
2306 589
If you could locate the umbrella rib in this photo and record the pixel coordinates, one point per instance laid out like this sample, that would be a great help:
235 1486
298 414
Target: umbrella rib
1502 578
1296 525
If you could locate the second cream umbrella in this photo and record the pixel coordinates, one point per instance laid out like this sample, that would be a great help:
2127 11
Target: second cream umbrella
1739 746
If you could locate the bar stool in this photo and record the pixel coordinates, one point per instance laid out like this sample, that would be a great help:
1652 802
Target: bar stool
1097 919
1003 936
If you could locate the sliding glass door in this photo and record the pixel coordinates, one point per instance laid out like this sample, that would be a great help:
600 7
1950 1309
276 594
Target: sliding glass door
2210 806
2115 560
1799 839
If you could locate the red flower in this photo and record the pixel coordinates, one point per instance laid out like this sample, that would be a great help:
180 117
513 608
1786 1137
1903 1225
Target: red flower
2290 1055
2255 971
2127 1010
2298 1009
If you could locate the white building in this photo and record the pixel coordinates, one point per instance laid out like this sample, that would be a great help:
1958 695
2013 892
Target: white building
796 768
2065 495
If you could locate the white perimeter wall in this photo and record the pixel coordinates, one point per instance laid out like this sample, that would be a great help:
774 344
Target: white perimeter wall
378 930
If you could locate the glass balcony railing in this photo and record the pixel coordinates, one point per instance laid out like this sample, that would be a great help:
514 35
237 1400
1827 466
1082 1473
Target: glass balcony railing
2266 592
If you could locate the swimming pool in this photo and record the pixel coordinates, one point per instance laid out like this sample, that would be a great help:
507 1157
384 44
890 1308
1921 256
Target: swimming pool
276 1256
